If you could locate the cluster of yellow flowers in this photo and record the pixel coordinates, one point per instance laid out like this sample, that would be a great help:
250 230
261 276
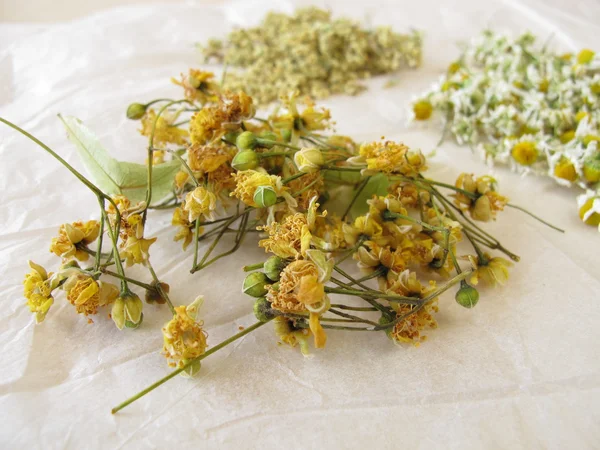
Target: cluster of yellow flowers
317 200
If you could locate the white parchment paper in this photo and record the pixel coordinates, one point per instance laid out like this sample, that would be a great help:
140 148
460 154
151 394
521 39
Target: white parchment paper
521 370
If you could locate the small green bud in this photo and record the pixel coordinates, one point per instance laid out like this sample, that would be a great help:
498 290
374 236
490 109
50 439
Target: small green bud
467 296
246 140
245 160
136 111
262 310
275 286
254 284
273 267
265 196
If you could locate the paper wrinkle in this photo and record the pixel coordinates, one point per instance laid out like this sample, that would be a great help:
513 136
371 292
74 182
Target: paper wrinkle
520 370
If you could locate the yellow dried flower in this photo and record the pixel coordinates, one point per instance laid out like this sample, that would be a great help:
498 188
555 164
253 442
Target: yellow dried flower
410 329
183 336
286 236
87 294
585 56
200 202
37 291
136 250
485 201
212 122
291 336
73 235
492 271
198 86
565 170
390 157
422 110
247 181
185 231
299 291
164 131
525 153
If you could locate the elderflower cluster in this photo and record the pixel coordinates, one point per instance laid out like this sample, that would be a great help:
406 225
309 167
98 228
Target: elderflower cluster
310 52
524 106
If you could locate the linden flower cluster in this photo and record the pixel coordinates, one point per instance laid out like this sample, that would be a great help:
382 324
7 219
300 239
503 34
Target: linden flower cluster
530 108
310 52
316 202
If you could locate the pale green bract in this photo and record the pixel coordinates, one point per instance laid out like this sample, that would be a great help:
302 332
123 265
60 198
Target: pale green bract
115 177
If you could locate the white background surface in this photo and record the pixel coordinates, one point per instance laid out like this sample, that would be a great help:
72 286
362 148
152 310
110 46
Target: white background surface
521 370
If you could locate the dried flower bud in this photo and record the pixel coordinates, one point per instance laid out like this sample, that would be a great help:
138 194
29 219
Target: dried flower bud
136 111
127 311
273 267
482 210
246 141
265 196
309 160
262 310
467 296
254 284
245 160
154 295
118 313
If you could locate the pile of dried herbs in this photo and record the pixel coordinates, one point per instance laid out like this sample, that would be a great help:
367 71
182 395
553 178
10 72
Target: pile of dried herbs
310 52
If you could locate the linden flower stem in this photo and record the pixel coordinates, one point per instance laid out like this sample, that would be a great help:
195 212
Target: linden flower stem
293 177
351 317
252 267
457 278
150 149
176 372
353 308
360 188
374 294
269 154
71 169
129 280
535 217
449 186
114 237
370 301
196 242
185 166
276 143
393 215
159 288
99 245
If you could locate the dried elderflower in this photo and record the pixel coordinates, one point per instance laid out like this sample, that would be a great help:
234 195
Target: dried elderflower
310 52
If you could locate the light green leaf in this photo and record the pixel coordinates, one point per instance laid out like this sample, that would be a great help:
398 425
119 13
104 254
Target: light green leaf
118 177
377 185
